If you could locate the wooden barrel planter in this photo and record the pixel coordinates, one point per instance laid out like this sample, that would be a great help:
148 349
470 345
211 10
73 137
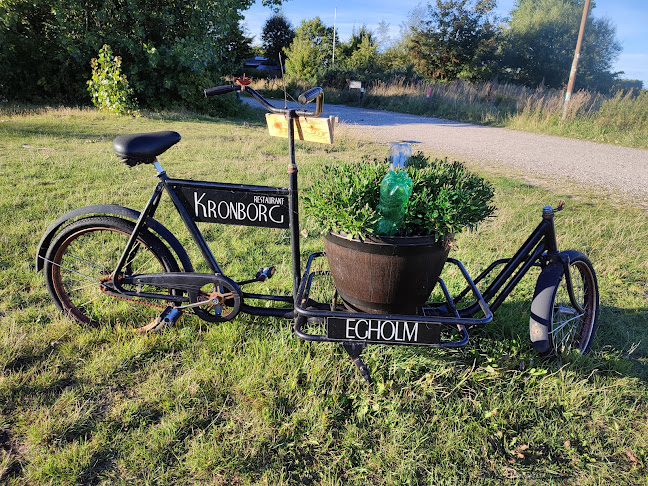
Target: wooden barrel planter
385 275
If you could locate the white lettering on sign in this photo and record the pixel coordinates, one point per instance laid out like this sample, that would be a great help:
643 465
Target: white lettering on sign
269 200
263 209
377 330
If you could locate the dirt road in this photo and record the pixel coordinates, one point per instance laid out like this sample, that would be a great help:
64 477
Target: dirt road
616 170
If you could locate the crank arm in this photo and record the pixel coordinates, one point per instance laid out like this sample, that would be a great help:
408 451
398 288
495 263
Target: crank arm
198 304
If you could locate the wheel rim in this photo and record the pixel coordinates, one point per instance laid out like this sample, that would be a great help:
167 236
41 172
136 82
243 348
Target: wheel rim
571 329
86 259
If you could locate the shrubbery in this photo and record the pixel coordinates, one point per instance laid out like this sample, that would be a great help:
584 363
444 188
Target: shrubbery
170 50
446 197
108 87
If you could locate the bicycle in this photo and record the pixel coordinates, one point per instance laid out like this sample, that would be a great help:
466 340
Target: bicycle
112 256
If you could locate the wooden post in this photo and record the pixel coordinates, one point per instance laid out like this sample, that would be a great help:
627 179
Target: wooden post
572 74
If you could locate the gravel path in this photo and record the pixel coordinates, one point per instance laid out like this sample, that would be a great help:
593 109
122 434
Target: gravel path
619 170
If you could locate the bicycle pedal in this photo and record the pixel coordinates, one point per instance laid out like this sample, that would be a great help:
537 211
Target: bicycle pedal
265 273
167 318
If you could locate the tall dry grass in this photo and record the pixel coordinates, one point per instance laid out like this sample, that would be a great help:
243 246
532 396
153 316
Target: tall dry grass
619 119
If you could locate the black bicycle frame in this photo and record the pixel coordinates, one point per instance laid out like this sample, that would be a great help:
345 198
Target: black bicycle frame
539 249
282 212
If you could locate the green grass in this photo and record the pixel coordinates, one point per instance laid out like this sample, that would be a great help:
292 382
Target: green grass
246 402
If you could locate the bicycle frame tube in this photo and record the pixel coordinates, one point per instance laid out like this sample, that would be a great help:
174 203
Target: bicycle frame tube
294 205
149 210
191 226
542 241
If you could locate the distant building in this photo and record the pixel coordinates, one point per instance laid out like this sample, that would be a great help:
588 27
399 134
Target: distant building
260 63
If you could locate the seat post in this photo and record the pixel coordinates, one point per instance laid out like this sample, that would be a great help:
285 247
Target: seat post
159 168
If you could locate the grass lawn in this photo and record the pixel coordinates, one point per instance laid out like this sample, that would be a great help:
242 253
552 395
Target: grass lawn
246 402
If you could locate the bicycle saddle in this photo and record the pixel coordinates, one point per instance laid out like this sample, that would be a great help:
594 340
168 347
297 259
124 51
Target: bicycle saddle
143 148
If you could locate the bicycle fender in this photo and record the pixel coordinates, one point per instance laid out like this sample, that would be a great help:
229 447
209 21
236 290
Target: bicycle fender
539 322
112 210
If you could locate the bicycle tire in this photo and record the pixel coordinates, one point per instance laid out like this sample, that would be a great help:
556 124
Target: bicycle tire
556 327
85 253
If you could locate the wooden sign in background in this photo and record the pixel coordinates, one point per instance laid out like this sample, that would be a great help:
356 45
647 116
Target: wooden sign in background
309 129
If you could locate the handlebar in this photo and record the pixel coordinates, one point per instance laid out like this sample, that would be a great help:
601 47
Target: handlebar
219 90
306 97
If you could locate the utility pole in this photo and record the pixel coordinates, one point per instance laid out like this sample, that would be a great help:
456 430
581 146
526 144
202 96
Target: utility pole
572 73
334 22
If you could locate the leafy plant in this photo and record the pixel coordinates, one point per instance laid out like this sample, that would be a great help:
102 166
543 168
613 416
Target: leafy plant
108 86
446 197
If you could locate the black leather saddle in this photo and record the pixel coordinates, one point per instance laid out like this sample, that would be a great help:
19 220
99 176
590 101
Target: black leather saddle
143 148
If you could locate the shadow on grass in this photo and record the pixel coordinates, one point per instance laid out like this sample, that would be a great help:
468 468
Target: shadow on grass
619 346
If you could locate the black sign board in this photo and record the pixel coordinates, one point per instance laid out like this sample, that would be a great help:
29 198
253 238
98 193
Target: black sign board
382 331
235 206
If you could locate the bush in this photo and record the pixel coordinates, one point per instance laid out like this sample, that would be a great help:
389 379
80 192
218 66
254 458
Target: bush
446 197
108 87
339 78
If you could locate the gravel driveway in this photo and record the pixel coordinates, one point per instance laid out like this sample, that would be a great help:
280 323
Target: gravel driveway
619 170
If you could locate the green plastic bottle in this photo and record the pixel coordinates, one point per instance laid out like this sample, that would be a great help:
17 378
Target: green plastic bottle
395 191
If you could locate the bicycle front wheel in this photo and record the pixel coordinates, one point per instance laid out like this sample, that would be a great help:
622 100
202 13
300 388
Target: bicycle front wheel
82 258
557 325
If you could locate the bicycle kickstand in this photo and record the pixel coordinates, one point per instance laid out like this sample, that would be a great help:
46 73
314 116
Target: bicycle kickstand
167 318
354 350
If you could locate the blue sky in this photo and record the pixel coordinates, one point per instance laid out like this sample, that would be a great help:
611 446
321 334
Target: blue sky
629 16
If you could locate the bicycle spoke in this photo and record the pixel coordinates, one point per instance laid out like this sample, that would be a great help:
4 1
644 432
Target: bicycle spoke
84 287
87 253
75 272
85 262
563 324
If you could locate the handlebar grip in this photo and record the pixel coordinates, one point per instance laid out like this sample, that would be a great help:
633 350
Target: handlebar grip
308 96
219 90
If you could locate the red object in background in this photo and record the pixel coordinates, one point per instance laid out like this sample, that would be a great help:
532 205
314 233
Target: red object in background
243 81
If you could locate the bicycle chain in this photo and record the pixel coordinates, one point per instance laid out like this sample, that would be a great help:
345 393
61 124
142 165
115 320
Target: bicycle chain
129 299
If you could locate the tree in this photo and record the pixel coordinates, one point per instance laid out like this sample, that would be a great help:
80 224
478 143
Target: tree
311 51
396 55
277 35
361 52
539 45
455 39
170 49
384 39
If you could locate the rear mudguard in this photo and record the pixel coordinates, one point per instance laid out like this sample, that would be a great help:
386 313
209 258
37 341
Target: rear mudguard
112 210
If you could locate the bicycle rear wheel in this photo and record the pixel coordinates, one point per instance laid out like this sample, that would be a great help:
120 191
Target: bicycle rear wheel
83 256
557 326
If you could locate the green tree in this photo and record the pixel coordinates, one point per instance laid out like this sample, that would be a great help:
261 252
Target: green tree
540 40
455 39
170 49
277 35
396 54
311 51
361 52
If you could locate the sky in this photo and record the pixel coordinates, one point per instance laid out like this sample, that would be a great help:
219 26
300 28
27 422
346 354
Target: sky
629 16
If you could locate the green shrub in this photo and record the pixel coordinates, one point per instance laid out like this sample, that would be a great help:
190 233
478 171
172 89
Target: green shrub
446 197
108 86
